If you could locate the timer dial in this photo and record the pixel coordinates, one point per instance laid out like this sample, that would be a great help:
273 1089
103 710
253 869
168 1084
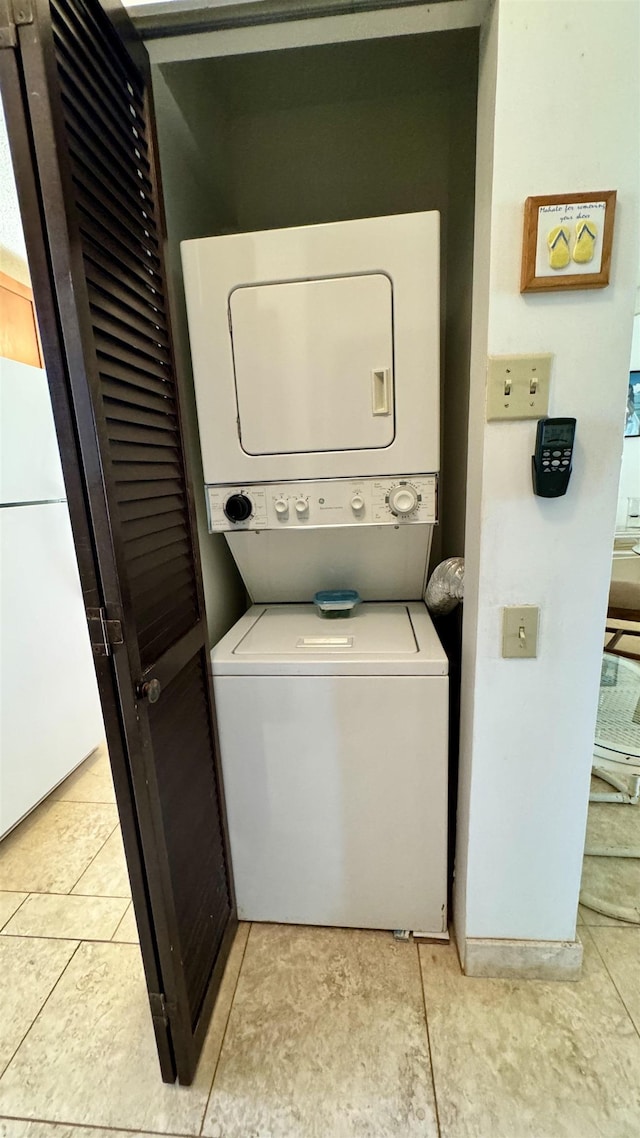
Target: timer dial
403 500
238 508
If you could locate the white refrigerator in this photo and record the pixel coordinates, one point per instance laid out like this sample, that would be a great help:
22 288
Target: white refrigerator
50 717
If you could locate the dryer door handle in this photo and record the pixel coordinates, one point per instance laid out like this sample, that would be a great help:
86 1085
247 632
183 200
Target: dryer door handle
381 391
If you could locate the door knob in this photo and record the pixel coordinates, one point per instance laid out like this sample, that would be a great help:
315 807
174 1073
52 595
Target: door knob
151 690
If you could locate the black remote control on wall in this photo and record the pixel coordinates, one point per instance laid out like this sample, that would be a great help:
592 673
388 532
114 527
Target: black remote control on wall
551 465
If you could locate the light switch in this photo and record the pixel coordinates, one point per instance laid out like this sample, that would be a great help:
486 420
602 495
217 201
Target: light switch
520 631
518 386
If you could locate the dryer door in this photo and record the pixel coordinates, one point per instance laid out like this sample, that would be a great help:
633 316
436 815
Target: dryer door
313 364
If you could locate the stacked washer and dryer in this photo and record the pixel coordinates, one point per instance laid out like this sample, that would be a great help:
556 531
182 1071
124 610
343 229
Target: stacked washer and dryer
317 374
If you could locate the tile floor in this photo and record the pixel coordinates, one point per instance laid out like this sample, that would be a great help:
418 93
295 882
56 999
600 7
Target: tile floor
317 1033
611 880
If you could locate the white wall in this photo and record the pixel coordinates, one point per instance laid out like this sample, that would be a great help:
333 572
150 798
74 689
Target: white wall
13 253
558 111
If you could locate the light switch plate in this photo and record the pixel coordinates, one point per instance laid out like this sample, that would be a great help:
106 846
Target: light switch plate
520 631
518 386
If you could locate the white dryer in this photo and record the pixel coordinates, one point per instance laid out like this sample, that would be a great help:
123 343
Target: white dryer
316 350
334 751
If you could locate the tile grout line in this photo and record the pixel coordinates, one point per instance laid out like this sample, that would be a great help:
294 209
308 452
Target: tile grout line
224 1034
68 893
80 896
87 801
609 974
129 906
81 940
88 867
429 1047
90 1126
40 1009
24 899
57 893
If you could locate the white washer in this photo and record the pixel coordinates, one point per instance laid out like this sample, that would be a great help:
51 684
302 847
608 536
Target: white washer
334 751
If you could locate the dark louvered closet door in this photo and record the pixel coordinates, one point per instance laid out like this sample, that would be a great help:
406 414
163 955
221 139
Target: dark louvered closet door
85 86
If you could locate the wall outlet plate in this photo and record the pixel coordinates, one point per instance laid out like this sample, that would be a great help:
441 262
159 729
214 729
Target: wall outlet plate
518 386
520 631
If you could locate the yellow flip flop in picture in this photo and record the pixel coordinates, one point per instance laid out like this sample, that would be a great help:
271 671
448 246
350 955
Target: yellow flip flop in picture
584 248
558 245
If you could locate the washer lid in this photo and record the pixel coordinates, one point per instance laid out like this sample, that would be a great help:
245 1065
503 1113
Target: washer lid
379 639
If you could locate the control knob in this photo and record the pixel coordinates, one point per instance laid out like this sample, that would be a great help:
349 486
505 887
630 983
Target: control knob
238 508
302 508
281 507
357 504
403 500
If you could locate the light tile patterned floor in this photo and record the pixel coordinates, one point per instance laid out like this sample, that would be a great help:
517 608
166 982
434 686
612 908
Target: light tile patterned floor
317 1033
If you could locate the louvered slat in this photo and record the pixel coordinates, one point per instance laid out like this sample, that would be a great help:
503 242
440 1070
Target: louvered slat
121 85
141 508
148 472
124 424
134 382
148 492
105 279
108 194
116 139
118 309
153 563
125 260
153 593
115 338
142 287
158 522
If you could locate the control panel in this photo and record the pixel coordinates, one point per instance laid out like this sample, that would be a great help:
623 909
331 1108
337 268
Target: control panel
337 502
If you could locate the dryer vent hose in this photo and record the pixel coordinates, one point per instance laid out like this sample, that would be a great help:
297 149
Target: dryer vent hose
446 586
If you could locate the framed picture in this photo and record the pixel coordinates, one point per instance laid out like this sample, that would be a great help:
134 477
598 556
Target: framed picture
567 241
632 424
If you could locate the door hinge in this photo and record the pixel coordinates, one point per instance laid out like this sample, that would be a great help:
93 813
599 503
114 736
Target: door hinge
105 633
13 14
158 1006
22 12
8 36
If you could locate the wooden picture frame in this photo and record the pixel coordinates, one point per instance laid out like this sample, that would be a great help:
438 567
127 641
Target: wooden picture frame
567 241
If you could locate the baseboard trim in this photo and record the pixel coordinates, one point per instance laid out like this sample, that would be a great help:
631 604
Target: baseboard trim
522 959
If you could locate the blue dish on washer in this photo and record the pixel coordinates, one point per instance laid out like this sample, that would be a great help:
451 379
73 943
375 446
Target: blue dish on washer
336 602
